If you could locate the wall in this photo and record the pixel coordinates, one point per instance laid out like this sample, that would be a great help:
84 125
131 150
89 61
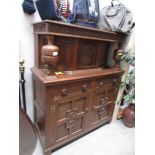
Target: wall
26 51
26 46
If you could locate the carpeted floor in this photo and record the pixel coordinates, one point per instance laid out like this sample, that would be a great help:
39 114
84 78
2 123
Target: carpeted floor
111 139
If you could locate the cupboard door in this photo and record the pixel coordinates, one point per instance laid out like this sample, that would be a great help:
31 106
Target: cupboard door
103 100
101 106
87 55
68 52
70 118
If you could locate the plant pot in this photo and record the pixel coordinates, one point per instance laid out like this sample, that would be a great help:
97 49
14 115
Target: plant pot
129 116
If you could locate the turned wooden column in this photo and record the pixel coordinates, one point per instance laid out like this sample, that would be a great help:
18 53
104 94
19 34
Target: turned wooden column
50 55
117 55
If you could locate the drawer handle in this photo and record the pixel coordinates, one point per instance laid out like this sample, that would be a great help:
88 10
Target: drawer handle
102 111
114 81
106 98
86 109
84 88
103 99
64 92
101 83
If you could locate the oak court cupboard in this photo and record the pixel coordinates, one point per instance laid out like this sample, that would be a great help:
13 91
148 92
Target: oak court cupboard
80 98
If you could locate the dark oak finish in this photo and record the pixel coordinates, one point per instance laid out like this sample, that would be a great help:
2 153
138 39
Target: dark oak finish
69 30
72 41
83 98
71 106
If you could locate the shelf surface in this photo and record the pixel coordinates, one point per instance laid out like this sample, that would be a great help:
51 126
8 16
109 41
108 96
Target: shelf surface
74 75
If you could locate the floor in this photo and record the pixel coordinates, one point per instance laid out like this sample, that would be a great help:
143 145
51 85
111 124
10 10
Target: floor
111 139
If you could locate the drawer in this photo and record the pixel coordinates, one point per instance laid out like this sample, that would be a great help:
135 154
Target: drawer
101 82
72 88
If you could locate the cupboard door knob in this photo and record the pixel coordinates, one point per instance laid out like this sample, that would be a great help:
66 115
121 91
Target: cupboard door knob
64 92
84 88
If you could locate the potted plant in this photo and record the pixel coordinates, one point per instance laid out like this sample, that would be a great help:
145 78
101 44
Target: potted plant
129 93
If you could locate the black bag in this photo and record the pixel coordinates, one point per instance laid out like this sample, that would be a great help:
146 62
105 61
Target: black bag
86 13
53 9
47 9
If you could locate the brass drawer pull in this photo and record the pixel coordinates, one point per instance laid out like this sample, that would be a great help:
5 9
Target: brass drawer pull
84 88
86 109
101 83
103 99
64 92
106 98
114 81
102 111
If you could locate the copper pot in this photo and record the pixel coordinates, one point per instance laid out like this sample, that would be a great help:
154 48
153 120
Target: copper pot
129 116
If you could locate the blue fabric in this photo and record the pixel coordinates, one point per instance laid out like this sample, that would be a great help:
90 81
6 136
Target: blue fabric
84 14
85 23
28 7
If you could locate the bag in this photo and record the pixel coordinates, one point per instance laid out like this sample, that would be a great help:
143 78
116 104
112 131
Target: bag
86 13
116 18
53 9
28 7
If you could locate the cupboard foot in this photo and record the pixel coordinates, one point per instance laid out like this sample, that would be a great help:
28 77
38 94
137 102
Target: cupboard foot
109 121
48 153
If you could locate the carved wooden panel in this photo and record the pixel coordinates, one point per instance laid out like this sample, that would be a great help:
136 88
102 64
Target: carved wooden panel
102 54
40 27
87 53
102 104
81 54
67 52
71 112
74 31
76 54
74 108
